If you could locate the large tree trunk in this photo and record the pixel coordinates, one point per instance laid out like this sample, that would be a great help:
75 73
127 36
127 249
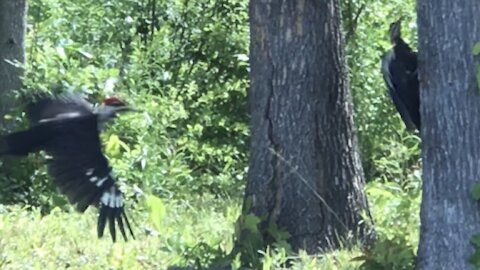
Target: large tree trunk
450 110
305 174
12 48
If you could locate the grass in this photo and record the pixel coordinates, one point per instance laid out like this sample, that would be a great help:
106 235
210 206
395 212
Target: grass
68 240
190 233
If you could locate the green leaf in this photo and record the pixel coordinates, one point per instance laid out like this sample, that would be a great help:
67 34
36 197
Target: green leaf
476 49
250 222
476 191
478 77
61 53
156 209
277 233
475 240
267 260
475 258
113 144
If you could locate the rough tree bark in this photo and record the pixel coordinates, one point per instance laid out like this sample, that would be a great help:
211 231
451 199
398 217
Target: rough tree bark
305 173
450 111
12 48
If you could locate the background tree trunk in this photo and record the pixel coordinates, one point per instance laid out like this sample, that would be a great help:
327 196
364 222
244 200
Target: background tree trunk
305 173
450 111
12 48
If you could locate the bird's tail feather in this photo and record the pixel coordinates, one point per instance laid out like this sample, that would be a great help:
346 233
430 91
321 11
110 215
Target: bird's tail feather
111 211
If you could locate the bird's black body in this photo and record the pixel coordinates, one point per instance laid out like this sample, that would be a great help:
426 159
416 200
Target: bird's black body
399 69
67 129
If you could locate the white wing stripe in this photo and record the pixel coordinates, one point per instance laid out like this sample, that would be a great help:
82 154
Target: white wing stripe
99 183
61 116
89 172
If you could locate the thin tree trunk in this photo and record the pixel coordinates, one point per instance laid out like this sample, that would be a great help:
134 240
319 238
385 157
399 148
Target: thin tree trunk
12 49
305 173
450 110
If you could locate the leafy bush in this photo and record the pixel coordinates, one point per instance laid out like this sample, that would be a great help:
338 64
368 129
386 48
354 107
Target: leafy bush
184 64
395 204
397 225
375 116
187 73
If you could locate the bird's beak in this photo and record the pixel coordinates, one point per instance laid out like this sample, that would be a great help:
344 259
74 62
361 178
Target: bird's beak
126 109
395 30
400 20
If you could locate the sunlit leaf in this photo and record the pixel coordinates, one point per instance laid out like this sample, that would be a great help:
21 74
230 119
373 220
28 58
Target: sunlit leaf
478 77
476 49
156 209
61 52
250 222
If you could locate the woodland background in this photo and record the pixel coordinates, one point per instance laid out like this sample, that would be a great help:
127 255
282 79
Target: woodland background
183 160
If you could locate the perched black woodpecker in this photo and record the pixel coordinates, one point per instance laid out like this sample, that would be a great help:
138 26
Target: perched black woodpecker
399 69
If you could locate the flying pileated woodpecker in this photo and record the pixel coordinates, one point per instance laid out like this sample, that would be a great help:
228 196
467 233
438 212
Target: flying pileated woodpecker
67 128
399 69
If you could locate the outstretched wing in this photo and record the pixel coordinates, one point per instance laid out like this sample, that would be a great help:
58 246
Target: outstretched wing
47 109
82 173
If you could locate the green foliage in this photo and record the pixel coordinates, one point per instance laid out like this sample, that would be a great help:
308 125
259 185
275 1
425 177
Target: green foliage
376 119
394 199
249 240
196 233
476 191
390 155
189 235
193 234
475 257
185 68
396 210
478 77
184 156
475 240
476 52
397 161
156 209
476 49
252 235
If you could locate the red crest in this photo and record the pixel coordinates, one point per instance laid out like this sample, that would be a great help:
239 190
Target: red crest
113 101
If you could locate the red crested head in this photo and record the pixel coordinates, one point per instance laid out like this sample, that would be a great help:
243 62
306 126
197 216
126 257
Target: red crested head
114 102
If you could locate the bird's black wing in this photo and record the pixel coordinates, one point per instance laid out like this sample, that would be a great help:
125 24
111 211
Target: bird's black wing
82 173
22 143
46 109
406 69
42 112
413 95
396 77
